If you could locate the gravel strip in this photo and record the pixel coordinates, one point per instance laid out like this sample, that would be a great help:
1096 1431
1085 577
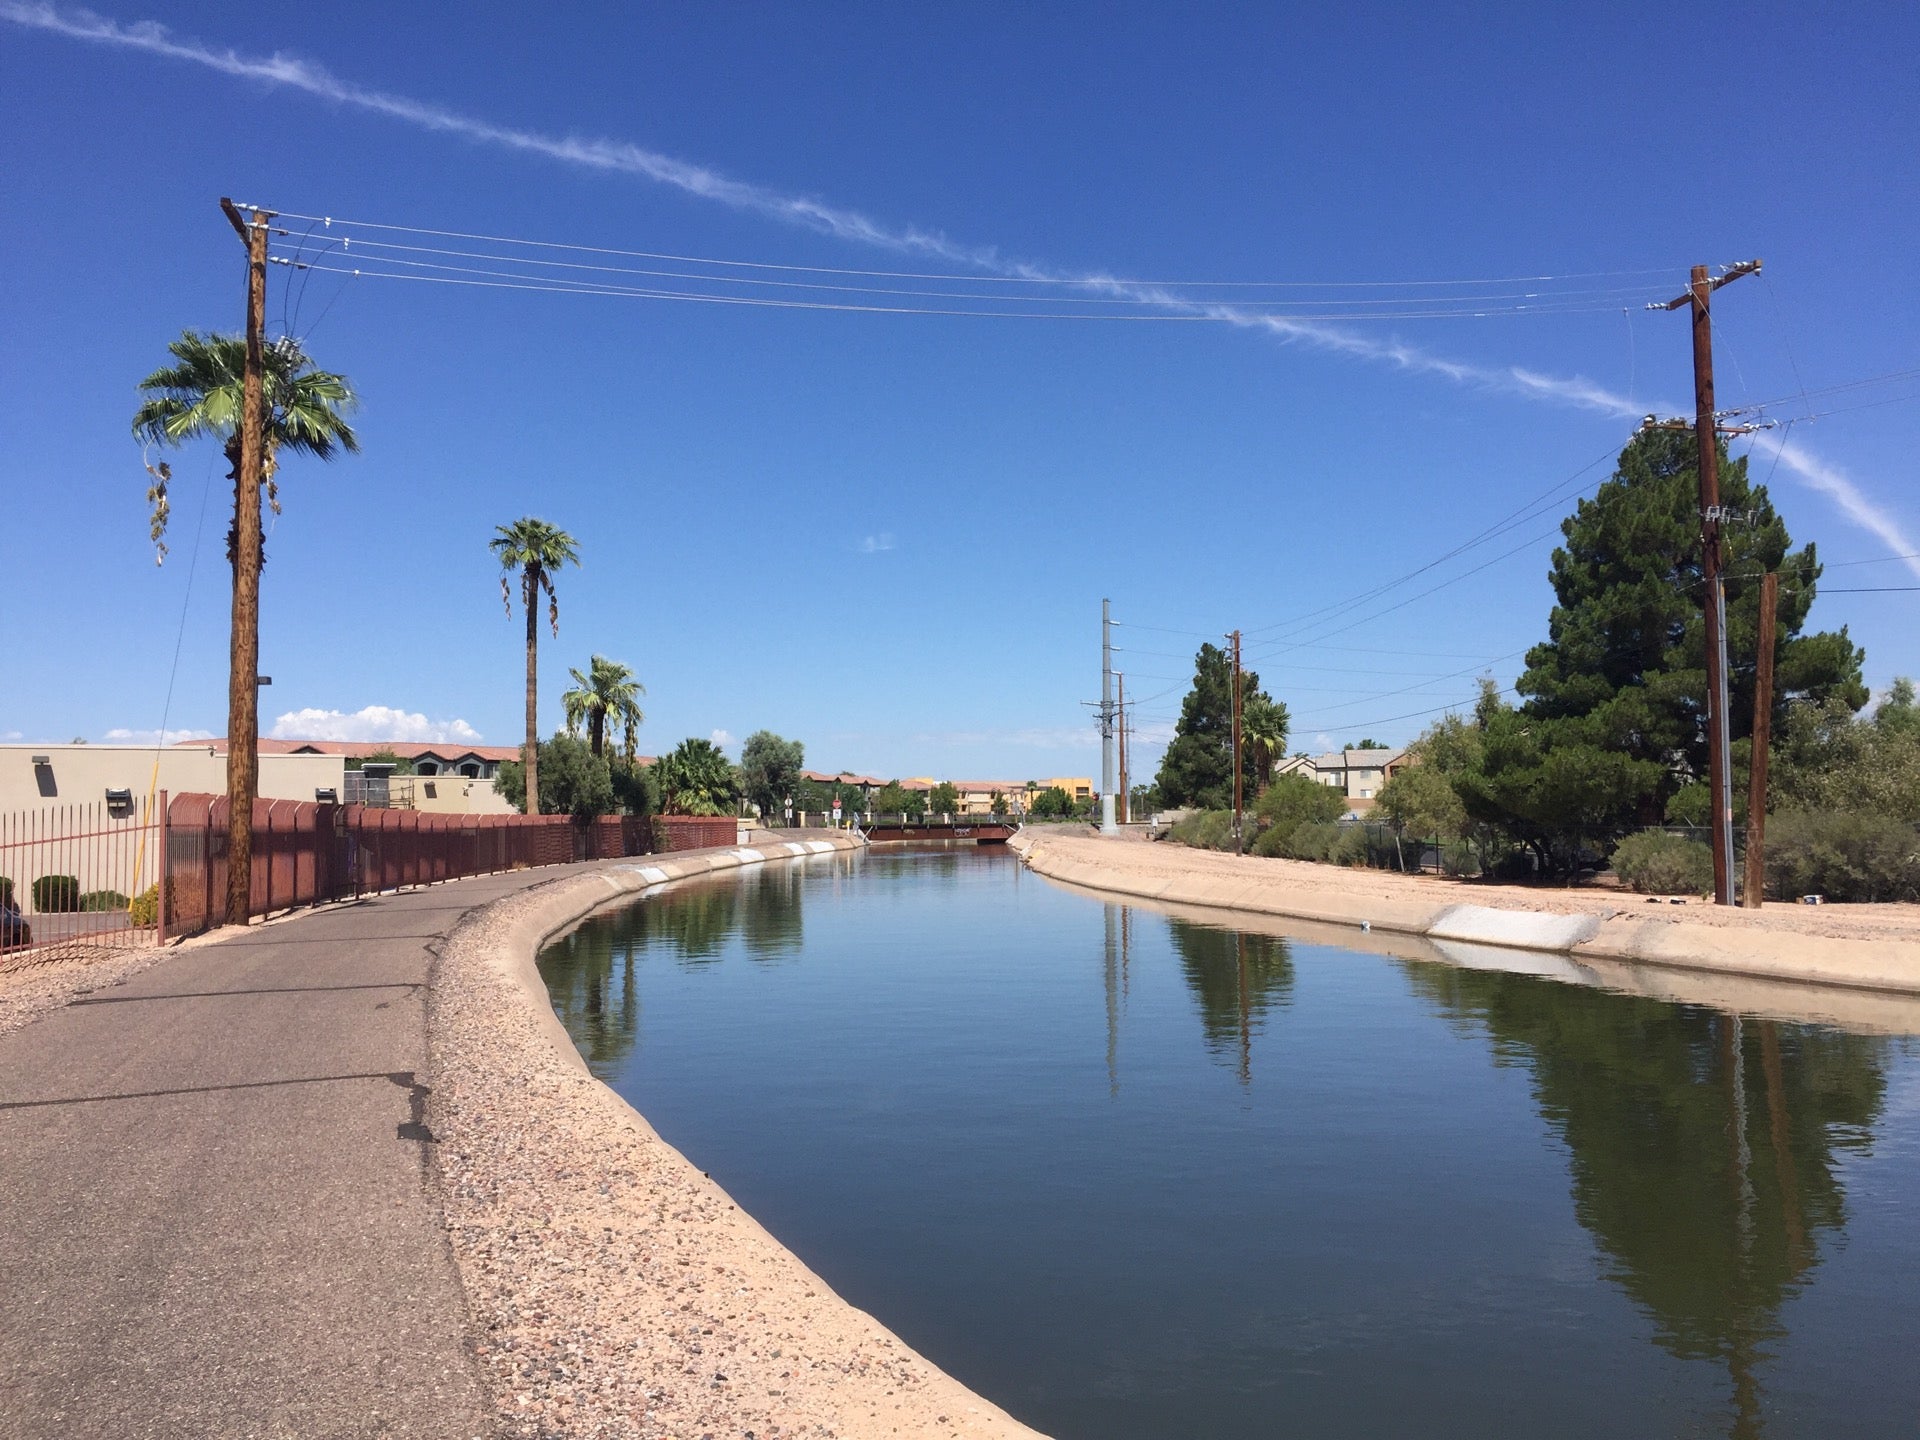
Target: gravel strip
614 1290
32 987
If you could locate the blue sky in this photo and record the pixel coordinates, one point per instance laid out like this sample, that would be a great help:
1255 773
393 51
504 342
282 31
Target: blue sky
888 535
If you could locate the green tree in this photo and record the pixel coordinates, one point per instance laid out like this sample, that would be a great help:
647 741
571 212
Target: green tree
536 550
893 798
1197 768
1293 800
304 411
999 804
1367 745
1623 670
943 799
770 770
1897 714
578 782
401 766
1052 803
606 693
695 778
1264 723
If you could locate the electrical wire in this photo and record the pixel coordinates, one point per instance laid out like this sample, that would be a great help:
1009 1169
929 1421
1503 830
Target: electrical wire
1027 279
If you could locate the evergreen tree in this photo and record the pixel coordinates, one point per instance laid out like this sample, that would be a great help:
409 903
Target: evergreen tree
1613 727
1198 766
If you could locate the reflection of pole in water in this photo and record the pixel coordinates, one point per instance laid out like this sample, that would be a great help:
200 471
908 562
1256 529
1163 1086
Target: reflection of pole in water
1246 1017
1113 999
1799 1254
1126 952
1747 1423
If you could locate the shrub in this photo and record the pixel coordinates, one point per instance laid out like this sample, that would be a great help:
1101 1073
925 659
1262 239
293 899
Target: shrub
1292 799
55 893
1844 855
1209 830
6 890
100 901
1656 863
144 909
1457 858
1320 840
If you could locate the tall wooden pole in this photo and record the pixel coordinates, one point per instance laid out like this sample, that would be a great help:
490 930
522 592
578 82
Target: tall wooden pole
1756 880
1718 765
1706 427
1236 742
243 677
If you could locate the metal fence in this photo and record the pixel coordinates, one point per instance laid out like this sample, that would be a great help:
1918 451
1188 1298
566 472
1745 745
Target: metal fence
78 877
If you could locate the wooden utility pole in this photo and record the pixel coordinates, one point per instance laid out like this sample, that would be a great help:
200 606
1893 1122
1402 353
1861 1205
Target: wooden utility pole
1706 427
1235 637
243 678
1754 891
1120 682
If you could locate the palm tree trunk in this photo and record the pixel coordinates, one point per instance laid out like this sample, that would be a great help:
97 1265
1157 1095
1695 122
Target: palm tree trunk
597 731
531 594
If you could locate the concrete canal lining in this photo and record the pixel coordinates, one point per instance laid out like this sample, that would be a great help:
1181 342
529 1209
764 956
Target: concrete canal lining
1869 947
614 1289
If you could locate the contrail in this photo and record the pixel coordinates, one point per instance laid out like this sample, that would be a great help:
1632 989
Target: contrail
622 157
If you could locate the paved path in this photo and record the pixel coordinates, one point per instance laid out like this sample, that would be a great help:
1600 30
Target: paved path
216 1221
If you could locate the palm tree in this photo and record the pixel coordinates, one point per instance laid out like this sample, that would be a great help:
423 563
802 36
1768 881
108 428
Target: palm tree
1263 731
304 410
695 779
536 549
301 409
606 692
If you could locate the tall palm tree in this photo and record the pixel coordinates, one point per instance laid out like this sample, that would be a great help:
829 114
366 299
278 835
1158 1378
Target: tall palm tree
303 410
1263 732
536 549
606 692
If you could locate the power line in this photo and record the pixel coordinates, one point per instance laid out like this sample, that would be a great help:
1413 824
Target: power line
1026 279
500 281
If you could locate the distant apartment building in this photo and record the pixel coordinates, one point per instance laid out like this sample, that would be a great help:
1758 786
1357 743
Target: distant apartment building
1356 774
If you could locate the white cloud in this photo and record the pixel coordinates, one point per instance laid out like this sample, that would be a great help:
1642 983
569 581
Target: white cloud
371 722
7 736
153 737
874 544
721 738
624 158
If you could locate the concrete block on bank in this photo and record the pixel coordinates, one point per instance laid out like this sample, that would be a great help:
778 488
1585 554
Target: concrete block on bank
1523 929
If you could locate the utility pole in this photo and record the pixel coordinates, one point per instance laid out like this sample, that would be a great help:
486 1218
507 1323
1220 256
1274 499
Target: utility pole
1754 892
1120 685
1719 759
243 693
1107 826
1235 637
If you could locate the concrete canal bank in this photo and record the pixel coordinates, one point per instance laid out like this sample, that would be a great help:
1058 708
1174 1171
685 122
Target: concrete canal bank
614 1289
1871 947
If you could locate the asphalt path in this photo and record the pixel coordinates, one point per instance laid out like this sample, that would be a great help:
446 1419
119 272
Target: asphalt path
215 1215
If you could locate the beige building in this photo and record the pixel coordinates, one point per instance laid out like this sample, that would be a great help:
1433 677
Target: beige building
1357 774
34 777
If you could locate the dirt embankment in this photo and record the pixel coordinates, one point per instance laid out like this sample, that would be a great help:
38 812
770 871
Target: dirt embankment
1874 947
617 1291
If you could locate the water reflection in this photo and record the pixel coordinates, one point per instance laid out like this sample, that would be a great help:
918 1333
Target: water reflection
1236 978
1704 1148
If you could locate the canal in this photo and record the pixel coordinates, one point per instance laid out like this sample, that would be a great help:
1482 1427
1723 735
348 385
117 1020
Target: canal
1131 1175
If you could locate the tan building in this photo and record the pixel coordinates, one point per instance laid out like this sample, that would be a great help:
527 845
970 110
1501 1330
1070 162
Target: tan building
1357 774
33 777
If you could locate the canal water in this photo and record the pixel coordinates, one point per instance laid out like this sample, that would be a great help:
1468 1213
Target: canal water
1137 1176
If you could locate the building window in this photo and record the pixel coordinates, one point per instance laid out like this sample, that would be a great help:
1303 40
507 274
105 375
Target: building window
426 767
470 770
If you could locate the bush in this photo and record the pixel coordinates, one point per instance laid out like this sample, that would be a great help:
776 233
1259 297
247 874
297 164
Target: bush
1457 858
1209 830
1843 855
144 909
1319 840
101 901
1656 863
1294 799
53 894
6 890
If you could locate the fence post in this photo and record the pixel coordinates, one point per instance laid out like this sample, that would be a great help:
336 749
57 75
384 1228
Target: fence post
164 870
